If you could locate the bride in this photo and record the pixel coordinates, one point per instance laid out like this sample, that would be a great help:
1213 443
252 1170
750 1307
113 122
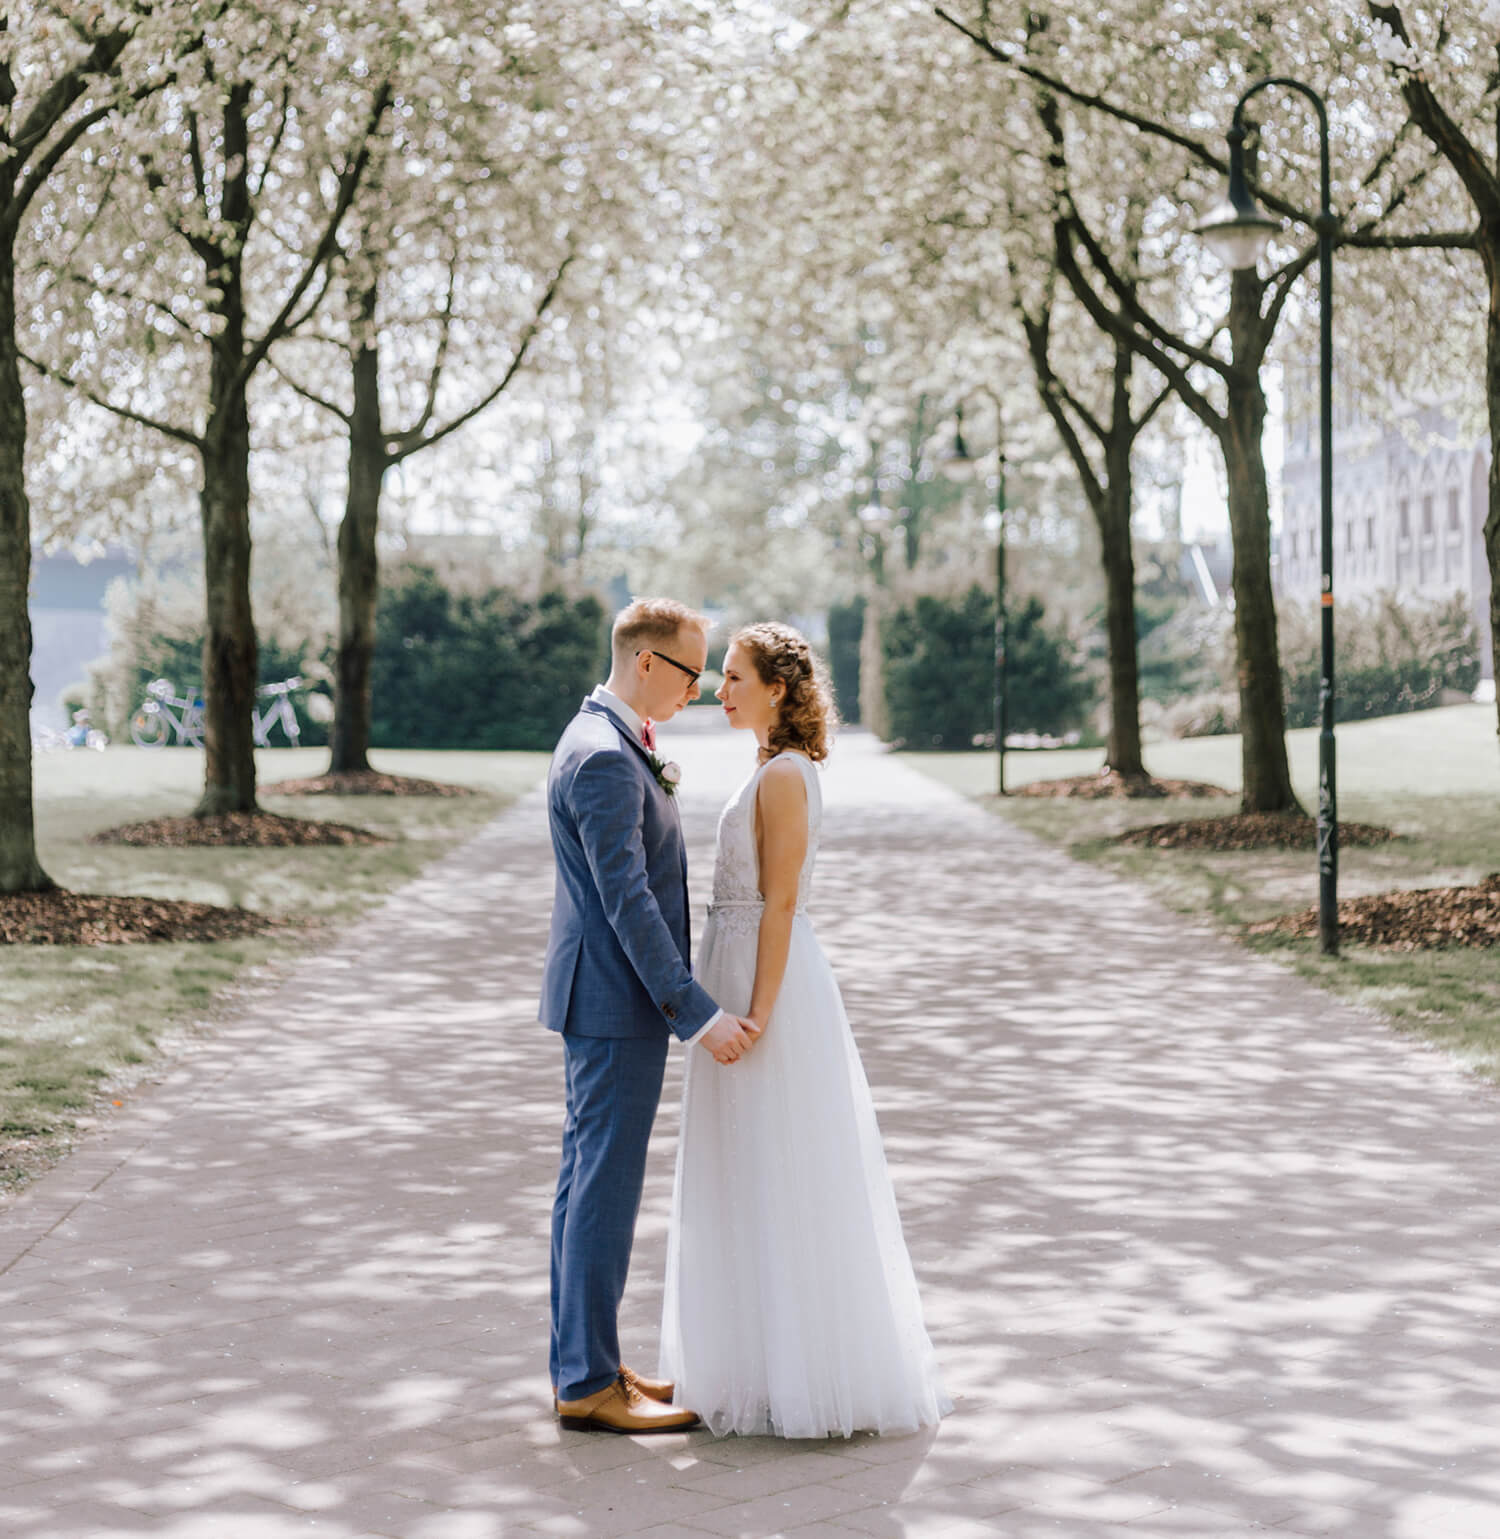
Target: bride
791 1307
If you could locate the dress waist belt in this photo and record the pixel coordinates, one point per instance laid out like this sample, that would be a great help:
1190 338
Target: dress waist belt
744 903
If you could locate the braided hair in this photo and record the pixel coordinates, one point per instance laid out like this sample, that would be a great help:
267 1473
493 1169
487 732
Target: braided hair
805 717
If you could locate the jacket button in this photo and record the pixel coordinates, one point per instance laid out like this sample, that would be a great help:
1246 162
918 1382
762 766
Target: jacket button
669 1012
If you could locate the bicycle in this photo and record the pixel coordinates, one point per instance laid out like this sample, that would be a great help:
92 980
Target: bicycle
154 725
279 711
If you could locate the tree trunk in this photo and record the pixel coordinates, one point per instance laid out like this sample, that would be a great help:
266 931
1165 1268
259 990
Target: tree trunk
1123 754
1267 783
20 871
1491 252
359 572
230 670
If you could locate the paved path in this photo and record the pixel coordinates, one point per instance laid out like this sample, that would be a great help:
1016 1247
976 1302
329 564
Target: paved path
1203 1252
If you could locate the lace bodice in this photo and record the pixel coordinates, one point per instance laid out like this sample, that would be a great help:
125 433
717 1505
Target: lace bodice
736 869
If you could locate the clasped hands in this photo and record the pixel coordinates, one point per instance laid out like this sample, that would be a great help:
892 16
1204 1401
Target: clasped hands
731 1038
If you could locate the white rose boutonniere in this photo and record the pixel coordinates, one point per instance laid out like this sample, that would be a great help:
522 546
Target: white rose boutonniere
668 773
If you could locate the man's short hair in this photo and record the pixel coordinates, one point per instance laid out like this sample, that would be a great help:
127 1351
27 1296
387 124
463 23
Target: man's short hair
652 622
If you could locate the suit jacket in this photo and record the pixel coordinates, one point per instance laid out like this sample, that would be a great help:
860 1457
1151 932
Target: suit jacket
617 956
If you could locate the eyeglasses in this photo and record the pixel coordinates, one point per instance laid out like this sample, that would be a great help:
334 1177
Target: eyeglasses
693 673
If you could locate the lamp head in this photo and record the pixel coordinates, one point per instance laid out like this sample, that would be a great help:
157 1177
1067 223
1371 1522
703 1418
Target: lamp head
1238 230
959 464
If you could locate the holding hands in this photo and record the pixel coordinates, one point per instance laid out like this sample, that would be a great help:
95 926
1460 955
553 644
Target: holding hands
731 1038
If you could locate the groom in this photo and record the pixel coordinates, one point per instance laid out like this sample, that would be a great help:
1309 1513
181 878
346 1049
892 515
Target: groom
618 987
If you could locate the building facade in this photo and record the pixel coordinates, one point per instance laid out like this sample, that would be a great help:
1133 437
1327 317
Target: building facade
1408 514
67 623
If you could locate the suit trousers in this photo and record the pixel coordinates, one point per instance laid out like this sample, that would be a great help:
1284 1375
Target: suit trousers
613 1087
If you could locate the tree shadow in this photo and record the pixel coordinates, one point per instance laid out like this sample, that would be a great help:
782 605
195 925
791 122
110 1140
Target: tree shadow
1200 1248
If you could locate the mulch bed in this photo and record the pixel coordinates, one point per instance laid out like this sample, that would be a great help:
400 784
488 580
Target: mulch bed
61 918
1108 785
1249 831
365 783
1424 919
256 830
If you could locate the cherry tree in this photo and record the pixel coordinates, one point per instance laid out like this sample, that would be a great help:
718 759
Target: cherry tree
62 77
1096 87
1444 66
534 172
220 216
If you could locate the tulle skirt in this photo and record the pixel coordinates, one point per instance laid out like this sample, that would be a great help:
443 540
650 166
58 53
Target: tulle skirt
791 1307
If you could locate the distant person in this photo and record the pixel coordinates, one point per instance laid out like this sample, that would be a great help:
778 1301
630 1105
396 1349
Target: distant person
618 986
791 1306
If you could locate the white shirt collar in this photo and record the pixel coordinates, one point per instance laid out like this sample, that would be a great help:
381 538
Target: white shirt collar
604 697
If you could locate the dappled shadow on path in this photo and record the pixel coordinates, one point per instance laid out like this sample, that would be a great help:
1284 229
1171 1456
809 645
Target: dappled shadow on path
1200 1249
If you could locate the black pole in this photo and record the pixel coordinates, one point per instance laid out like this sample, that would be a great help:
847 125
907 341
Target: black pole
1325 225
1328 819
1002 629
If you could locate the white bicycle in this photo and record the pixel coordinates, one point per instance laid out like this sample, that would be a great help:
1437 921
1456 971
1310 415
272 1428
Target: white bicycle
279 710
167 714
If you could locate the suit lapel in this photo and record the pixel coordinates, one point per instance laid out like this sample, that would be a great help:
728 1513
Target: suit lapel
594 708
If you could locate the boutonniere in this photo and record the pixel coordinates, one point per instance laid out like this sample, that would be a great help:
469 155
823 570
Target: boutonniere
667 771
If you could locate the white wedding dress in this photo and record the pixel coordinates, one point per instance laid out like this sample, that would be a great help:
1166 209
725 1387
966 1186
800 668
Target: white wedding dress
791 1307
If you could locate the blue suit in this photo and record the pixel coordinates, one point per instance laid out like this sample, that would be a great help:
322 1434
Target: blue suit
618 985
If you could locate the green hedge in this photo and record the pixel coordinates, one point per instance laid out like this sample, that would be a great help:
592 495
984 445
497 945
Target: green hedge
451 670
846 624
488 670
940 673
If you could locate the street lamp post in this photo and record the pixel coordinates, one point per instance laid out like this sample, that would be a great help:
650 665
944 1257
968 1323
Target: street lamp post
1002 630
960 464
1238 231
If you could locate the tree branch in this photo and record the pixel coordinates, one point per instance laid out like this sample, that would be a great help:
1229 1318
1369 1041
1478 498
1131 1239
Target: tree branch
348 184
205 250
1093 486
400 445
276 138
47 164
347 418
1118 325
1194 147
1441 240
47 112
1130 306
1124 292
195 160
1161 398
1281 287
317 299
1429 114
180 434
127 297
440 357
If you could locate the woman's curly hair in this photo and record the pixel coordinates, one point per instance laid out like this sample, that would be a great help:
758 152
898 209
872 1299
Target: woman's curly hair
806 717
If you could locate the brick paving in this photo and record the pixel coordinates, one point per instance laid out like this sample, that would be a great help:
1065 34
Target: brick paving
1204 1253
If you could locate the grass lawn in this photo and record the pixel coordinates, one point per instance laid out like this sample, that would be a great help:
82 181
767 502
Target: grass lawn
1433 776
80 1024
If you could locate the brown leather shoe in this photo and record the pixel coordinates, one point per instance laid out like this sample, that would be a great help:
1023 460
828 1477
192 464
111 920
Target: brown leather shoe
652 1389
620 1407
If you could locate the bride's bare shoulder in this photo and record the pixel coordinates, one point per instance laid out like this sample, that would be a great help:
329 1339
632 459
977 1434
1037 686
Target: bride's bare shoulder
781 784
